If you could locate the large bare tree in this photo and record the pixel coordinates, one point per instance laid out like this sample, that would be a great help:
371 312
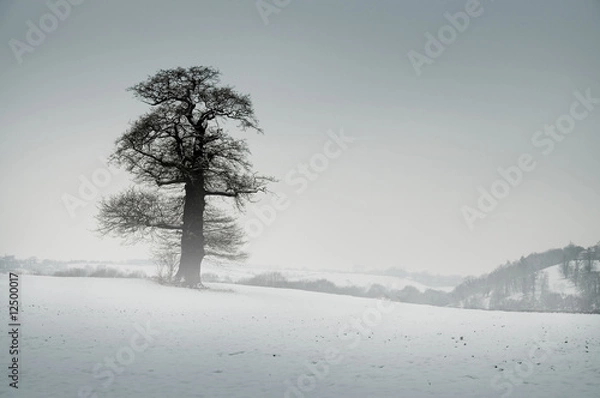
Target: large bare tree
182 153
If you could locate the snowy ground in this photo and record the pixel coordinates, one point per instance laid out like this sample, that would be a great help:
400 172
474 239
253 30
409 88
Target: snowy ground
84 334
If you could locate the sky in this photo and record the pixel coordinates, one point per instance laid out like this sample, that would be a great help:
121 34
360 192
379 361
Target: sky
384 123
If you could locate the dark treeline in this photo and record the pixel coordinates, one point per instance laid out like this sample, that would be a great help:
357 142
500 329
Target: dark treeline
519 285
408 294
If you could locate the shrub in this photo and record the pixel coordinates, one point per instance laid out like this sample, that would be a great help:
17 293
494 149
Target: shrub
99 272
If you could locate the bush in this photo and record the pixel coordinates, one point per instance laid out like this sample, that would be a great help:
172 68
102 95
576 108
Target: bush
99 272
270 279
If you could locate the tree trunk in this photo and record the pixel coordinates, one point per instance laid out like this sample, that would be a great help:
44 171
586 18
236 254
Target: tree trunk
192 238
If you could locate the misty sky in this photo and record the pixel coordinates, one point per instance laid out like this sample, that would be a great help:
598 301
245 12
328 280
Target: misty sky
422 144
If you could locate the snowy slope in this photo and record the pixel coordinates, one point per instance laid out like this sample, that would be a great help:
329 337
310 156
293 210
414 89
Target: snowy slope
240 341
553 292
557 283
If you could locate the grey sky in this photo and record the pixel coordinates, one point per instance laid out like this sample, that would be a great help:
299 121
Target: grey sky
423 144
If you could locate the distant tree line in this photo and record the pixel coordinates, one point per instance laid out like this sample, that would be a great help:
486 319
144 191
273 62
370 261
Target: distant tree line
424 278
409 294
33 265
519 285
584 273
514 286
11 263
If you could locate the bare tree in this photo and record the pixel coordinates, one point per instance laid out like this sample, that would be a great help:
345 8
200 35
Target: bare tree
182 150
166 257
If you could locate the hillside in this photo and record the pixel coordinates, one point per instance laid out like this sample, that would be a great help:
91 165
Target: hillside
538 283
240 341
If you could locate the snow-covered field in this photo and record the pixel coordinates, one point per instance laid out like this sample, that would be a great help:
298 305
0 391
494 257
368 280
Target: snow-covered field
133 338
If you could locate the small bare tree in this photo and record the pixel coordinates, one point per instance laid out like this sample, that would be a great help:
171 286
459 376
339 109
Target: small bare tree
166 258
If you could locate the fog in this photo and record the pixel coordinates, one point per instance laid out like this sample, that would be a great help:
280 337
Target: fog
423 144
432 154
